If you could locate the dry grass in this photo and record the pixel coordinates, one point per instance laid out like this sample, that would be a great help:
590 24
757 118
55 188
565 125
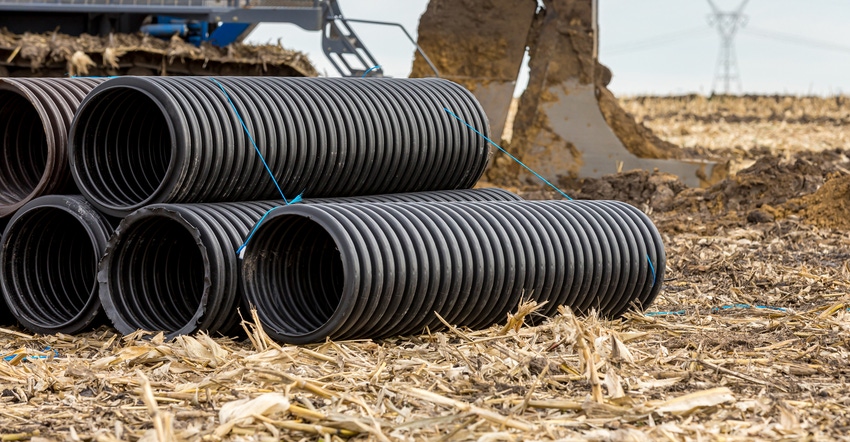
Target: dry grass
735 125
702 372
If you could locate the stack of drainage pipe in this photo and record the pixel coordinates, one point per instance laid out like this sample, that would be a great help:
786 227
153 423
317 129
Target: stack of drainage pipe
174 267
35 117
144 140
380 244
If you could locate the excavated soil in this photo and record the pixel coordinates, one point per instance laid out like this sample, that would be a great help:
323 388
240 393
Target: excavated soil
828 207
473 42
797 167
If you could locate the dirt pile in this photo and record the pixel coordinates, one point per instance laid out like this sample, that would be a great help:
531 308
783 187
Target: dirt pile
480 45
772 187
639 188
55 54
828 207
771 180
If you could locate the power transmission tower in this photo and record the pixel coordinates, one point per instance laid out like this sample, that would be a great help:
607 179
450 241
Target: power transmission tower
727 24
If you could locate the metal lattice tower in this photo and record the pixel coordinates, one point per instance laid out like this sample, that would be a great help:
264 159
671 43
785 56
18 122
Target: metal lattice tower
727 24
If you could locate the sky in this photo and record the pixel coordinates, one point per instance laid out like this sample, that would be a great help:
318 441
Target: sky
652 46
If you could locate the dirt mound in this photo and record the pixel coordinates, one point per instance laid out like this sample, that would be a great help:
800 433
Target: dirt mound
772 182
638 188
55 54
636 137
828 207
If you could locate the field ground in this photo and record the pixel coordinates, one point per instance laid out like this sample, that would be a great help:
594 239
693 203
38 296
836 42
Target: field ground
748 340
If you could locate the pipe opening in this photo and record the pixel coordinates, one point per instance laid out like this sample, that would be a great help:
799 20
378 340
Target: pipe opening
156 275
23 148
122 147
50 265
295 274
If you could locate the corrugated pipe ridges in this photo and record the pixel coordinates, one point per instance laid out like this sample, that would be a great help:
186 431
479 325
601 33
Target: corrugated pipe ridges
35 117
375 270
48 264
173 267
6 317
142 140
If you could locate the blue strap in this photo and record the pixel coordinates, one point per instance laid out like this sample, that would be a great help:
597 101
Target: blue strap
509 154
718 309
666 313
266 165
651 267
377 66
247 132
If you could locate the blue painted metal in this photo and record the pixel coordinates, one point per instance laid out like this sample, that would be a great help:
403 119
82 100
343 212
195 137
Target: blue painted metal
166 29
227 33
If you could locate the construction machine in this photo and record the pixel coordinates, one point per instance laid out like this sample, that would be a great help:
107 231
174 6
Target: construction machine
116 37
567 124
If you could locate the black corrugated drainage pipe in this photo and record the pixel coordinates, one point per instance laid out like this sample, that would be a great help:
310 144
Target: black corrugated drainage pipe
136 141
6 317
174 268
375 270
35 117
48 264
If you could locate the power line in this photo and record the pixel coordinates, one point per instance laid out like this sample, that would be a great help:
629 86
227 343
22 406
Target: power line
656 41
727 24
795 39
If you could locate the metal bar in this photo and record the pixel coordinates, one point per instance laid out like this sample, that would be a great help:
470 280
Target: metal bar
403 29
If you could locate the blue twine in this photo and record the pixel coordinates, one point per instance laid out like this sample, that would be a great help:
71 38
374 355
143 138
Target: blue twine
257 226
266 165
762 307
651 267
377 66
668 313
717 309
508 154
247 132
32 357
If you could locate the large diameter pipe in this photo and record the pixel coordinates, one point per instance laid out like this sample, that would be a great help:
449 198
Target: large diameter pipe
137 141
375 270
6 316
35 117
174 268
48 264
